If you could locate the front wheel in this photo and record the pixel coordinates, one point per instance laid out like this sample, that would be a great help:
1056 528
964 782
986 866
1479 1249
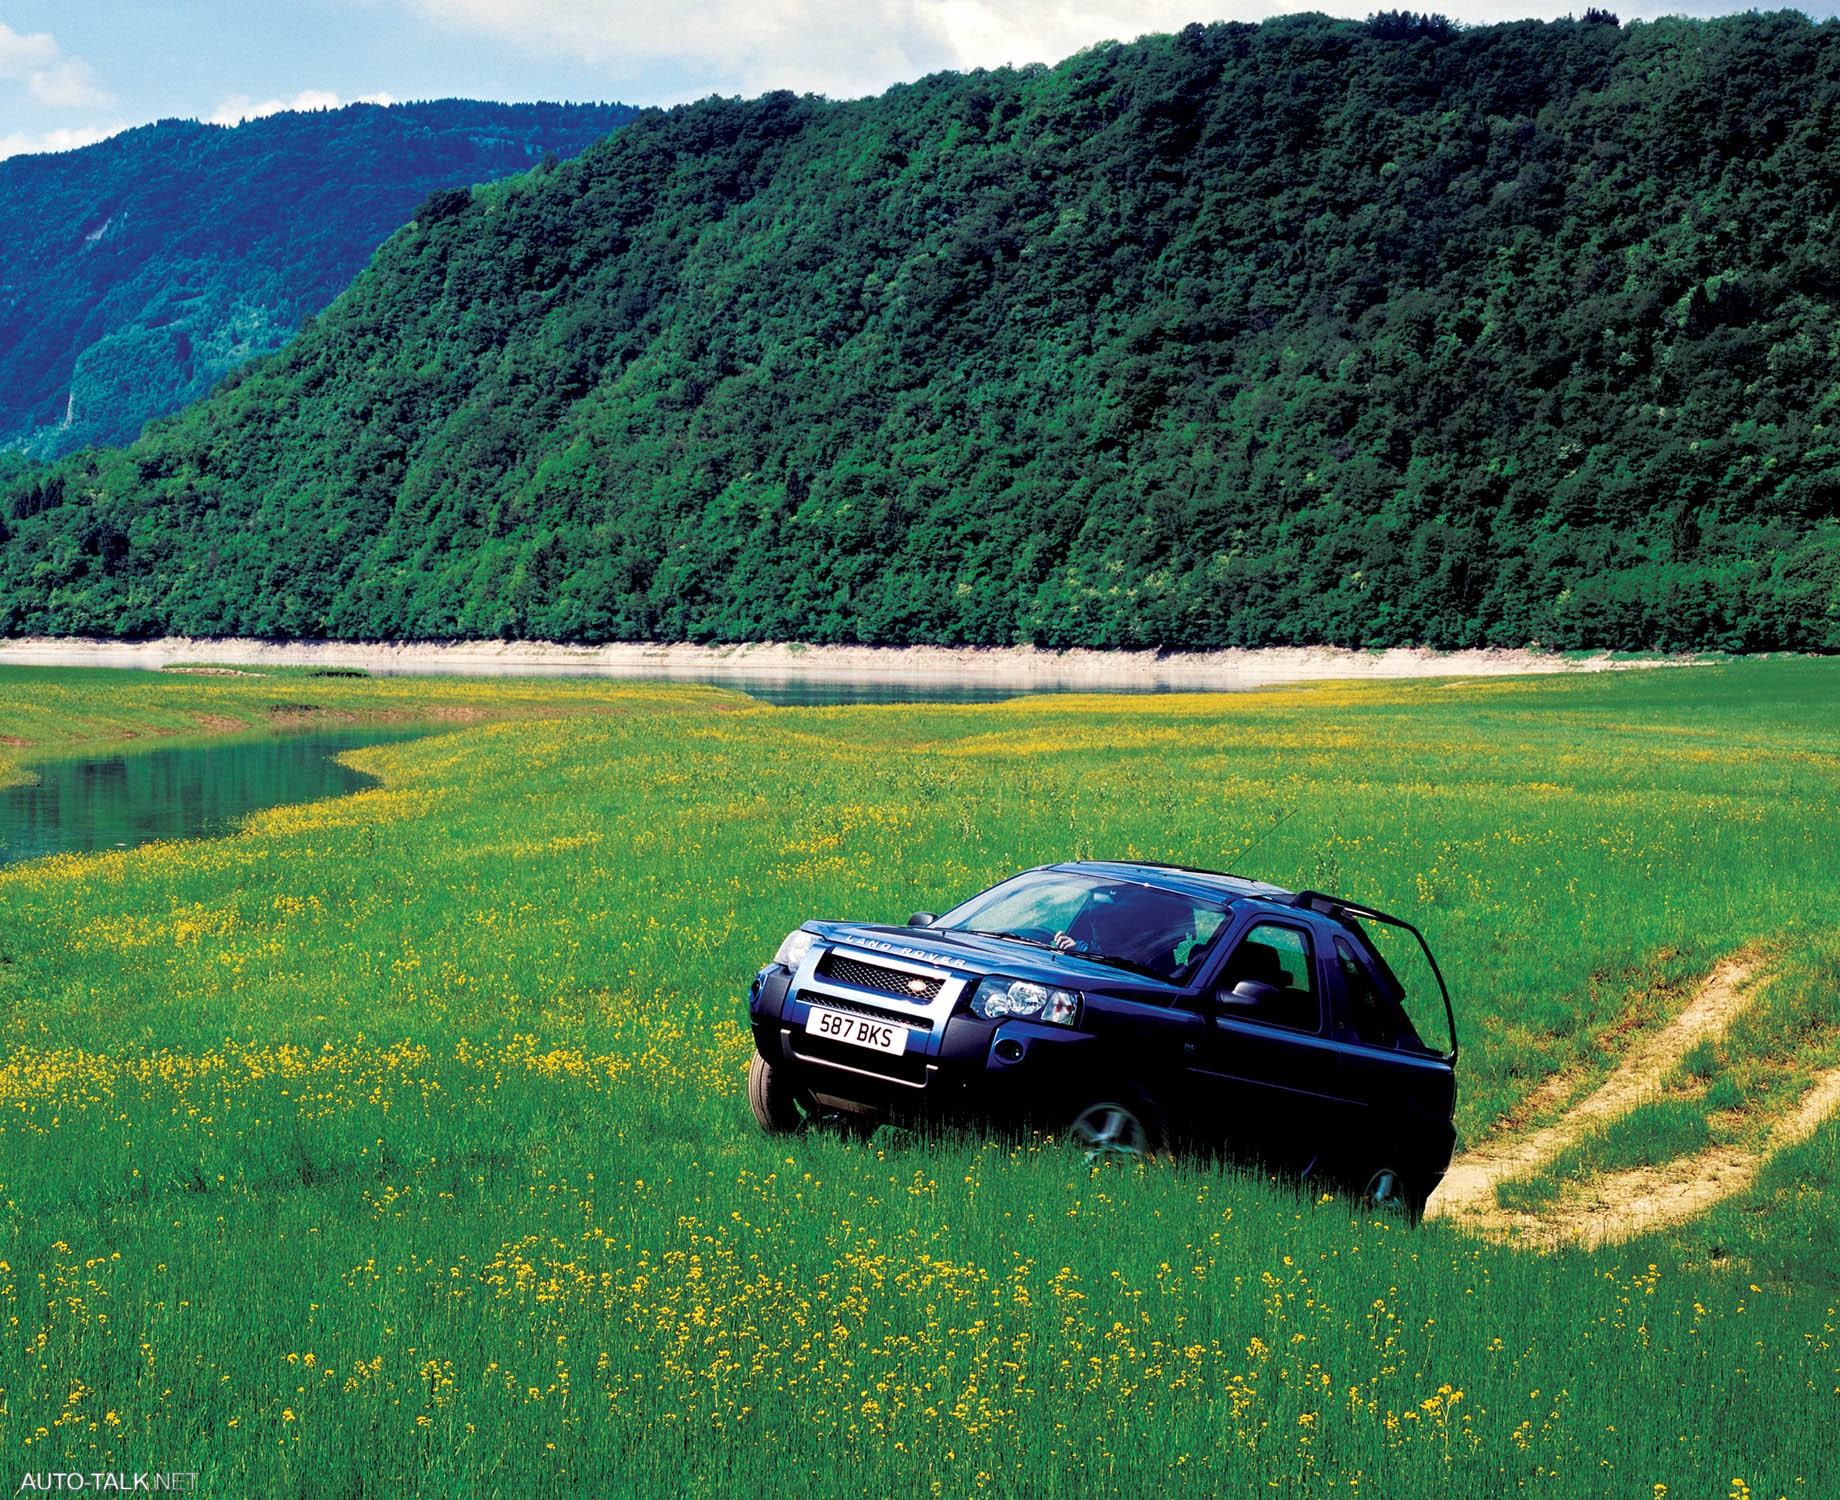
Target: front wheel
1110 1130
773 1099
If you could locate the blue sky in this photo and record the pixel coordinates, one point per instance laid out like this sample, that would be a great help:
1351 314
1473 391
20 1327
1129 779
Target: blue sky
73 71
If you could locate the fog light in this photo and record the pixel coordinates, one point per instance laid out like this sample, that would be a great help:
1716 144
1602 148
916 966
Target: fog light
1009 1050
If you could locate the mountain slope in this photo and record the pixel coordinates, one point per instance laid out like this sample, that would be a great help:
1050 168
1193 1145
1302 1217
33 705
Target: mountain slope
137 272
1313 331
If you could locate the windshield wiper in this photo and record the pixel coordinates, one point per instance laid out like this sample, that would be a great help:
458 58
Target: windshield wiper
1018 937
1130 964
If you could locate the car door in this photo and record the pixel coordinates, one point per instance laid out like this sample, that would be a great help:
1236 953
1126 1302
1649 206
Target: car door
1398 1092
1263 1080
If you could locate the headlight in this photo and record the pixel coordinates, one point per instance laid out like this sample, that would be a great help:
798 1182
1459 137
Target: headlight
997 998
792 952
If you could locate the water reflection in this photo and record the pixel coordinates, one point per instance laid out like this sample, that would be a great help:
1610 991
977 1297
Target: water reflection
794 693
185 791
783 689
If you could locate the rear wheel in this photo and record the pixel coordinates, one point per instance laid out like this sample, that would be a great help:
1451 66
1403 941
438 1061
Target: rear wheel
773 1098
1121 1130
1388 1190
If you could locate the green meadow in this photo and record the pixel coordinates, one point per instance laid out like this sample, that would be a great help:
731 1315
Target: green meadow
398 1143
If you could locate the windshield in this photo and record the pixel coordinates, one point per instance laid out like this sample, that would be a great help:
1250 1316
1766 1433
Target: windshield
1150 931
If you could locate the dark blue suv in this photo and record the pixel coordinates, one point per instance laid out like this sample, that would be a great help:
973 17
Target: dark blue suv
1130 1008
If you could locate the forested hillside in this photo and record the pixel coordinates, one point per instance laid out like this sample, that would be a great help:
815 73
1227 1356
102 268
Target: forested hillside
137 272
1310 331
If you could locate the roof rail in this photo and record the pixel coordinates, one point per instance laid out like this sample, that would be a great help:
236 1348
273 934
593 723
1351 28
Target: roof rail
1159 864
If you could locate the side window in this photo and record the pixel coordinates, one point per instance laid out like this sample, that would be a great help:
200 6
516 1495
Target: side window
1276 965
1375 1019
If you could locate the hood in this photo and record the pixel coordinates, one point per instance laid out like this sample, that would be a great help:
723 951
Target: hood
973 953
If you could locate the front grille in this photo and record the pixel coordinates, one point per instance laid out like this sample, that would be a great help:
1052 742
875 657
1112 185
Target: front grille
874 1012
864 976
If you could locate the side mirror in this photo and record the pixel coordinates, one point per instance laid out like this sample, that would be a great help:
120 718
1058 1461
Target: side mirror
923 919
1248 994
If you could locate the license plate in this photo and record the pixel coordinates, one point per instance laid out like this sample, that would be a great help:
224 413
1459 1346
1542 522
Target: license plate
858 1031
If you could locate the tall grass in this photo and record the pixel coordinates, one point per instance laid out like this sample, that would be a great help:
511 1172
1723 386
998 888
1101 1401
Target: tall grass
399 1143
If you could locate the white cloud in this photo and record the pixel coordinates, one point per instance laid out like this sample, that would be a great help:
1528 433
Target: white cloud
847 48
987 33
24 143
20 55
240 107
844 48
50 77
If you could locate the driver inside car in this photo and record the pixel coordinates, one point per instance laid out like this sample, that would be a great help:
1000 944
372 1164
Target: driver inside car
1144 928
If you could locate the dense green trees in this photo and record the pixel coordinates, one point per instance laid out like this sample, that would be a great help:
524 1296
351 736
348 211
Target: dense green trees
137 272
1311 331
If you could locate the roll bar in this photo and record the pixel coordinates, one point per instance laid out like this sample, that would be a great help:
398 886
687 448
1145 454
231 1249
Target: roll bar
1340 910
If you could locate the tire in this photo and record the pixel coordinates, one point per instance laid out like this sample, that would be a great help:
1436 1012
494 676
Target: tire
1390 1191
1123 1128
773 1099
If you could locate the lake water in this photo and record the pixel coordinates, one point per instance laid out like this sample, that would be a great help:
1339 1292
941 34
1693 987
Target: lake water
785 693
200 790
186 791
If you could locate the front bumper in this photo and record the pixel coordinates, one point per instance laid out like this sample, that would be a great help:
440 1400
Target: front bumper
953 1063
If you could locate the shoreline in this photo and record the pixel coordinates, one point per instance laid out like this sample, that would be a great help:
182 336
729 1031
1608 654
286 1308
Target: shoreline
1021 667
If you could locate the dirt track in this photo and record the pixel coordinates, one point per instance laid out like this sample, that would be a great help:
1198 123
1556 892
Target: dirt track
1620 1204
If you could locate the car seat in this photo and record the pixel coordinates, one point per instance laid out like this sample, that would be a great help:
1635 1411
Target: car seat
1258 962
1291 1006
